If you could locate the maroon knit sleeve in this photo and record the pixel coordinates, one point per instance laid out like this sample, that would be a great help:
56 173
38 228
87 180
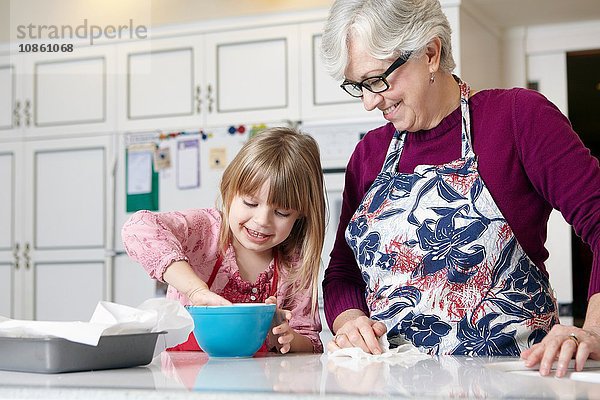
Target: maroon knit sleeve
560 168
343 286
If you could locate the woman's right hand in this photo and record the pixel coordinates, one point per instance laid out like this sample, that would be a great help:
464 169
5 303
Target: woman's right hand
357 330
202 296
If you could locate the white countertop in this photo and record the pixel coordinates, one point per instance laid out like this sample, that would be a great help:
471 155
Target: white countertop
178 375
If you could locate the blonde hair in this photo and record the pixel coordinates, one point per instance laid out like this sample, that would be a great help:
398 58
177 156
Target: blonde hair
387 28
290 161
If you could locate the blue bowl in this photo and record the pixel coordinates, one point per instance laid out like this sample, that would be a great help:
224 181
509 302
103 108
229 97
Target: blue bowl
232 331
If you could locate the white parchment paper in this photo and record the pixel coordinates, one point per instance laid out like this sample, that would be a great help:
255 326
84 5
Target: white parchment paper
153 315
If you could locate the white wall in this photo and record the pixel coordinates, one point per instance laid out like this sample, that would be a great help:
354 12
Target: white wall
480 50
151 13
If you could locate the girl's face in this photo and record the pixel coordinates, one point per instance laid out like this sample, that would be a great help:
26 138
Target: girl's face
258 226
404 103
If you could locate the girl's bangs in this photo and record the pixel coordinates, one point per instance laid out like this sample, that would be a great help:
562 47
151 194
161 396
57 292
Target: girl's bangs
283 192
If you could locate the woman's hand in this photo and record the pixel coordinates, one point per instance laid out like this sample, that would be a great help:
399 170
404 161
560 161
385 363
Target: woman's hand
356 330
561 345
281 333
566 342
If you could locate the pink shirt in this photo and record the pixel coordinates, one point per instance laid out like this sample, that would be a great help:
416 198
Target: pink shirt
156 240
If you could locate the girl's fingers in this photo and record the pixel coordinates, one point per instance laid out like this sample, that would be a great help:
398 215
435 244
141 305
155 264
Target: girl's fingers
286 338
281 329
285 348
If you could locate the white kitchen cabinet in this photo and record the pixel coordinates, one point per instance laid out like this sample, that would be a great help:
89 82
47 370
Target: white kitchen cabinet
10 226
207 80
12 112
132 285
69 92
66 203
252 75
160 83
7 271
53 227
7 94
321 95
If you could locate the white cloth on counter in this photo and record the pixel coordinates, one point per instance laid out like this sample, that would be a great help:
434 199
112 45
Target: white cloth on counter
355 357
153 315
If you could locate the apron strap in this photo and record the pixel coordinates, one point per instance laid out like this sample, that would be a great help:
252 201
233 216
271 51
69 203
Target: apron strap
467 147
213 274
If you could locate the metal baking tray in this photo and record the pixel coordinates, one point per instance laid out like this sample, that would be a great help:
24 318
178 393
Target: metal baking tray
53 355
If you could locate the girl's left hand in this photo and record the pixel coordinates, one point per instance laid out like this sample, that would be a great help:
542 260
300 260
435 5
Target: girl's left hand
561 345
281 333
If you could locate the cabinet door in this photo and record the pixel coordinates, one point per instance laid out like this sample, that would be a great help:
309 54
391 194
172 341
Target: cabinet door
132 285
68 199
322 96
159 83
11 105
70 93
10 227
252 75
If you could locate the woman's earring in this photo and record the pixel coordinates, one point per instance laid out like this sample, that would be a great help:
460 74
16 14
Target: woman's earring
432 78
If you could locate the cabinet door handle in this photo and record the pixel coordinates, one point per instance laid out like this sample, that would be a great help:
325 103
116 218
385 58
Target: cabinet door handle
27 112
16 255
17 113
209 98
26 255
198 99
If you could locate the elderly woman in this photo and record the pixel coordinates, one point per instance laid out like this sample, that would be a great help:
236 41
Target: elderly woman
445 208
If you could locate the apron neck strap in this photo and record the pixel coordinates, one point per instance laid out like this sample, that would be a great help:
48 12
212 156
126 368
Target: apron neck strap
467 147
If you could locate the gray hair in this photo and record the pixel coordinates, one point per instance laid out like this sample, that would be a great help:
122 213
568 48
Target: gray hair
387 28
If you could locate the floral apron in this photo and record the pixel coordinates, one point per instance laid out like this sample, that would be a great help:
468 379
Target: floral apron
442 267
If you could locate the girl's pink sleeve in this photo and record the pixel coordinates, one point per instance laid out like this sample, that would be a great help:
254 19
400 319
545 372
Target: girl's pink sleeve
156 240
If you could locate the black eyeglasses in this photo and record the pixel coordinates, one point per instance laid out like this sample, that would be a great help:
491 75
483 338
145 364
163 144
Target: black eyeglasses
374 84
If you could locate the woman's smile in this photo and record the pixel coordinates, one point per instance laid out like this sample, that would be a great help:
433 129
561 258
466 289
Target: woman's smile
391 109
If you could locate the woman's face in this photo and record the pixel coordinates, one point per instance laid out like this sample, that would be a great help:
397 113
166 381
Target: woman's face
258 226
404 104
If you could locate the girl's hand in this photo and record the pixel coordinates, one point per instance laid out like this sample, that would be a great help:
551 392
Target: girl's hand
357 330
281 333
561 345
202 296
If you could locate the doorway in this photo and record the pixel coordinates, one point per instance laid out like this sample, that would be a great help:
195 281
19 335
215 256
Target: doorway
583 92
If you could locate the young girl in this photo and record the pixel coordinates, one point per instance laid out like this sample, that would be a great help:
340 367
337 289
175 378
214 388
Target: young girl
263 245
